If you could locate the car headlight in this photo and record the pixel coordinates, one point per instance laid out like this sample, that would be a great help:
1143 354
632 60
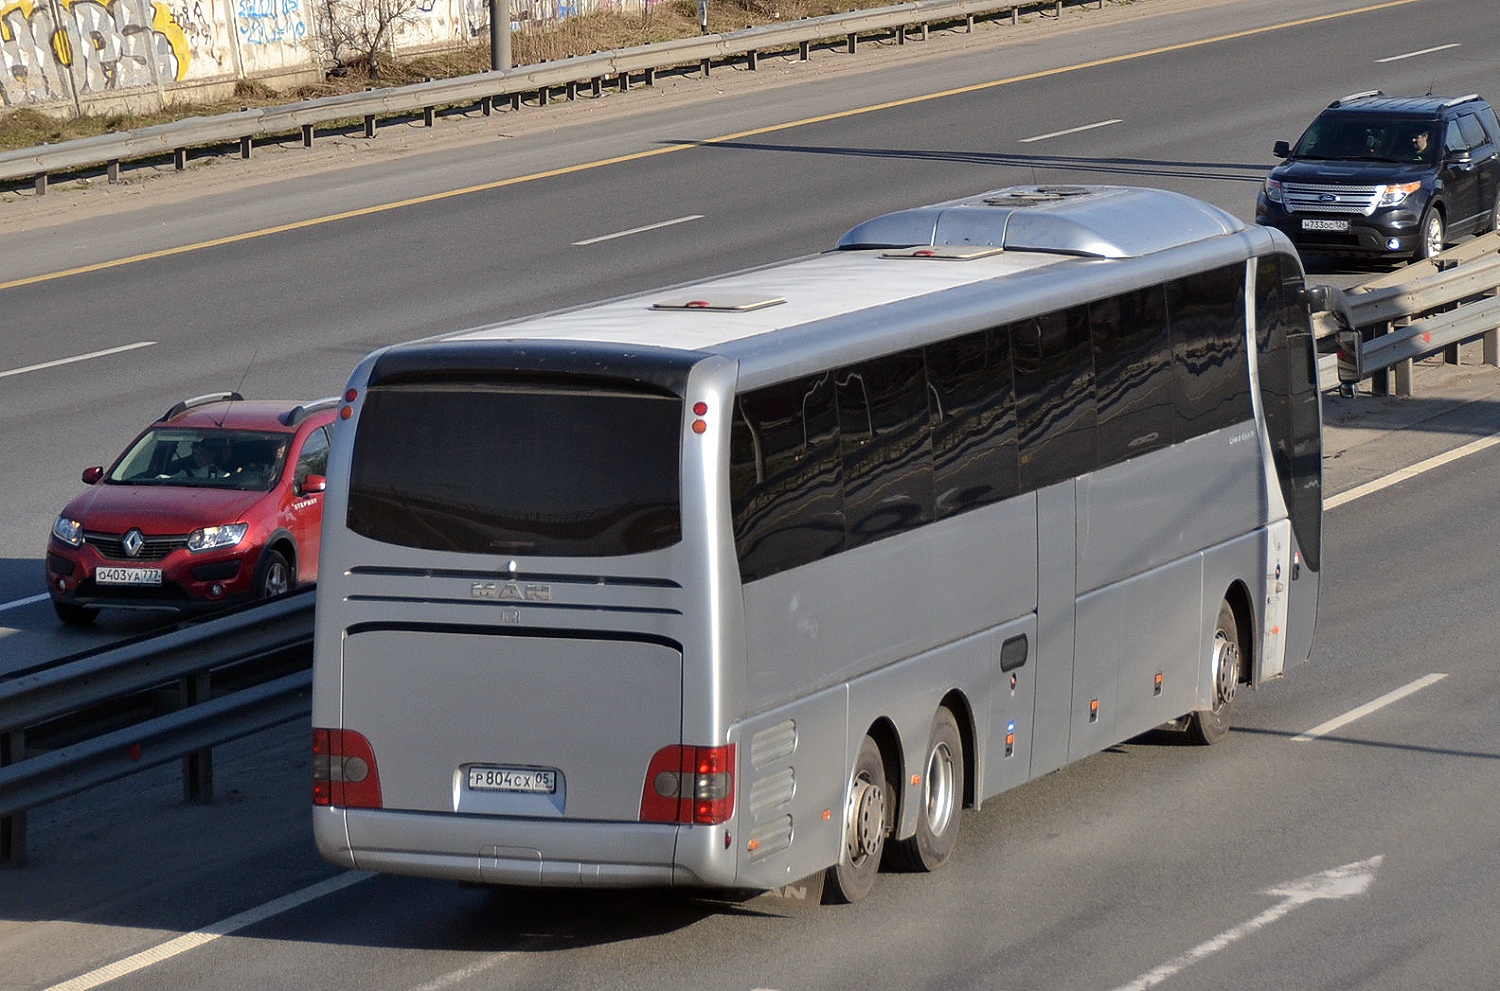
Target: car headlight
1273 190
215 537
1395 194
68 531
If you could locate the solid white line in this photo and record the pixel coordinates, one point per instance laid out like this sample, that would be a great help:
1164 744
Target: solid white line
1437 461
639 230
197 938
23 602
1071 130
1323 729
81 357
1425 51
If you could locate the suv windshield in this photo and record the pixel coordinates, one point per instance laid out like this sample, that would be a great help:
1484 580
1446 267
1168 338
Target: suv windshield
217 459
1347 137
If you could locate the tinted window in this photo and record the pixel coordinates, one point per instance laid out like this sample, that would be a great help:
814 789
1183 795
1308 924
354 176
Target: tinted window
1473 133
1132 373
973 421
1289 395
884 437
203 458
785 476
1054 396
501 467
1211 370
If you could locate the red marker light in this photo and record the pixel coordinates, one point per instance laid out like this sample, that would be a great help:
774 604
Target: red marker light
700 409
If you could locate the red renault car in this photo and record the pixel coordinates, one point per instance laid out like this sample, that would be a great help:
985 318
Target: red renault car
217 502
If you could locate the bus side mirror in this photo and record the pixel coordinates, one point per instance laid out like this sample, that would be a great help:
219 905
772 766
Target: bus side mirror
1351 356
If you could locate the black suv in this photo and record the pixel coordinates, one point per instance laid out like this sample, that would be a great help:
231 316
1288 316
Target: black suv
1391 176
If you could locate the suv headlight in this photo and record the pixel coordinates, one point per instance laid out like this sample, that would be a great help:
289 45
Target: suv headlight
68 531
1273 190
214 537
1395 194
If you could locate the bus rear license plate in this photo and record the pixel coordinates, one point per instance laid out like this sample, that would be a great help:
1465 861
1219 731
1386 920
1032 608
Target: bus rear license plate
127 576
529 780
1325 225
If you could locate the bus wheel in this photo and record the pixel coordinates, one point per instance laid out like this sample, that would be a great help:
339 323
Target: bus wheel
942 800
1212 725
867 819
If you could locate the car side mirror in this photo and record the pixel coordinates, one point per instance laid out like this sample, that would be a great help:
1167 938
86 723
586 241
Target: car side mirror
1463 157
314 483
92 475
1281 149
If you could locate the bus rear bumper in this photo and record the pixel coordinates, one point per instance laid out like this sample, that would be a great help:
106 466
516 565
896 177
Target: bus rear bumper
491 850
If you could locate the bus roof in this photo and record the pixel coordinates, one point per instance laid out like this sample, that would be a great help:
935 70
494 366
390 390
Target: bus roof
874 292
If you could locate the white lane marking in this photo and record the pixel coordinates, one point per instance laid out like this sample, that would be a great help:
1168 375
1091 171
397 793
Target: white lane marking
1323 729
23 602
1425 51
188 941
639 230
457 976
1071 130
81 357
1437 461
1340 882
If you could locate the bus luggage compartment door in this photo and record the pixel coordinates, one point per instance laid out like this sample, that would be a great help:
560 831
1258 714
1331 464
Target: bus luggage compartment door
493 723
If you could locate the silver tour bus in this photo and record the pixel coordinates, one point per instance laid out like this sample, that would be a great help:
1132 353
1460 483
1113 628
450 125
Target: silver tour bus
756 583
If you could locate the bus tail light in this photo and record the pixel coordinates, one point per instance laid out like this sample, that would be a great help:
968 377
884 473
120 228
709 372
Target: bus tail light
344 772
689 785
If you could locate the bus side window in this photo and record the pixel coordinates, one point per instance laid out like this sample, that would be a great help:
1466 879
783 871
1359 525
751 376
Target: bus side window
785 476
1210 365
973 406
884 428
1055 411
1132 373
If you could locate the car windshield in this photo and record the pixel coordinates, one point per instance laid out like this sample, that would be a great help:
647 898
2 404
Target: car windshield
1353 138
212 459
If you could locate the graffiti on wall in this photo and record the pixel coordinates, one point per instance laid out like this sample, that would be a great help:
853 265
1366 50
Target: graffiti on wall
269 22
59 49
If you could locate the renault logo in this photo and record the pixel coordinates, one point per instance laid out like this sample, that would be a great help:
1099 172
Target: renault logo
132 543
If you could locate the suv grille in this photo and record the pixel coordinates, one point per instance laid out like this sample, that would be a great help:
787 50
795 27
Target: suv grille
153 549
1305 197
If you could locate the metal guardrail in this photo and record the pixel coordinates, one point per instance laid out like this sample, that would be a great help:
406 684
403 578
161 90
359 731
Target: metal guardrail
97 717
1421 309
484 90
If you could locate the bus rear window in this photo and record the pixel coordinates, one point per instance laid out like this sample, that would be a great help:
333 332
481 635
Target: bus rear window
517 468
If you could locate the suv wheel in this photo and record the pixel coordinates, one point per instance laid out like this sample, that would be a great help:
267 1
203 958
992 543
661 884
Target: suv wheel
1433 235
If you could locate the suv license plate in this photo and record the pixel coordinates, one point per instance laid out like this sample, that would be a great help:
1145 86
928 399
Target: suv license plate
530 780
127 576
1325 225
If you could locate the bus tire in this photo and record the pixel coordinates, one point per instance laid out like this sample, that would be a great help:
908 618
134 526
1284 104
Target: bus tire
1211 725
866 823
942 800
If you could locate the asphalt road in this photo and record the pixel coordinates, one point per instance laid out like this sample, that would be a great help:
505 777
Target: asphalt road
1149 865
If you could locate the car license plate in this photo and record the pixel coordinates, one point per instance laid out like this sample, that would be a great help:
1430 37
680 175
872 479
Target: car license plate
530 780
1325 225
127 576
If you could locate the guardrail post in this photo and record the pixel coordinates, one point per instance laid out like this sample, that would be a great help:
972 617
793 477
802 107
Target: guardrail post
804 48
114 170
198 767
853 42
307 135
901 34
12 827
1492 348
41 184
179 158
752 58
1403 377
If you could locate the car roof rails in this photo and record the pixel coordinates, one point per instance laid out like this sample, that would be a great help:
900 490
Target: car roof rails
187 404
1455 101
1356 96
297 414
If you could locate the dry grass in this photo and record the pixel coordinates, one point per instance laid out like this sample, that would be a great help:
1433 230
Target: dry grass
662 21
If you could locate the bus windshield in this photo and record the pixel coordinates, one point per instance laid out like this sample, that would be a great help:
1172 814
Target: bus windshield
489 467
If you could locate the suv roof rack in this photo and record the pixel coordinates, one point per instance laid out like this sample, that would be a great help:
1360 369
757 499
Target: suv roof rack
187 404
297 414
1356 96
1455 101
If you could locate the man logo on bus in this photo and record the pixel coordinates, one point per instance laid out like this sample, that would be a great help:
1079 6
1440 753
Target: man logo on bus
511 591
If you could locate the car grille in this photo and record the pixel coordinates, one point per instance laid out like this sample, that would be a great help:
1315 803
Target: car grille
1303 197
152 549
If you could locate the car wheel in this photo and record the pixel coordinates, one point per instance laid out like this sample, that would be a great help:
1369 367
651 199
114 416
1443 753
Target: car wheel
75 615
1434 235
273 576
